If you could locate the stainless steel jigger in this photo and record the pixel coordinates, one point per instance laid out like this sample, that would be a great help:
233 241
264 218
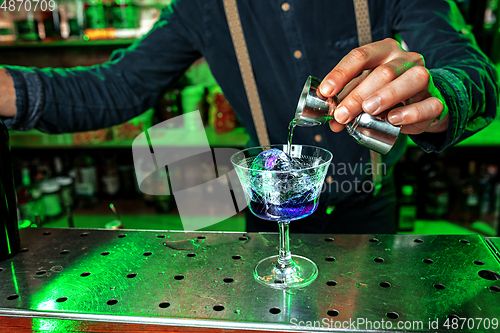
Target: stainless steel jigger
373 132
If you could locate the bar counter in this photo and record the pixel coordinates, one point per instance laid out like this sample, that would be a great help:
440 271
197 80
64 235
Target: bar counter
146 281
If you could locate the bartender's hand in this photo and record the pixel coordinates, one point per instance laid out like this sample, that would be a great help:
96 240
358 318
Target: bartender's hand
389 76
7 94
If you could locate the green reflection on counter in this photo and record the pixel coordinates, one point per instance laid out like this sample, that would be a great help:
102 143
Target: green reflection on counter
104 264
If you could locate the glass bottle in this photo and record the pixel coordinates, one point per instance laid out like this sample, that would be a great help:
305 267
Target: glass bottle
125 17
470 196
6 27
110 179
94 15
27 22
72 18
51 30
86 182
437 194
169 106
10 242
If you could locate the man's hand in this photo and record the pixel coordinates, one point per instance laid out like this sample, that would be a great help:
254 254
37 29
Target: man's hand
7 94
395 76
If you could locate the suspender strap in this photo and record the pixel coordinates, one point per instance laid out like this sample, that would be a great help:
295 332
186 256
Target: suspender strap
240 47
364 37
363 22
233 19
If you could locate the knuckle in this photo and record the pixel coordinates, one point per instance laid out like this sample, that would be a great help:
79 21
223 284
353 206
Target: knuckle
339 74
436 104
416 115
422 73
416 58
353 101
391 42
360 54
387 71
389 94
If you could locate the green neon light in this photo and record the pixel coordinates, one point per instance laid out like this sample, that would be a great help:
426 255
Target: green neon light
14 277
7 239
69 283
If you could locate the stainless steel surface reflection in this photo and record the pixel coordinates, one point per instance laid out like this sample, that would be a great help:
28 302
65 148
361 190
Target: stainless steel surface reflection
206 280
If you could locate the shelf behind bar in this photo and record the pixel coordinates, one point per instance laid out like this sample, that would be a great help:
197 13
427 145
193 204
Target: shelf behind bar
175 137
66 43
489 137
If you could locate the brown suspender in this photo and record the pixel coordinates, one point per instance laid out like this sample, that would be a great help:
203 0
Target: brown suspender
233 18
240 47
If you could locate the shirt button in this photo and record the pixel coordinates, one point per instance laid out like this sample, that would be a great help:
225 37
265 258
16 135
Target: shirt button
317 138
285 6
329 179
297 54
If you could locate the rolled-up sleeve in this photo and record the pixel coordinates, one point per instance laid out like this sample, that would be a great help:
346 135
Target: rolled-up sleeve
465 76
58 100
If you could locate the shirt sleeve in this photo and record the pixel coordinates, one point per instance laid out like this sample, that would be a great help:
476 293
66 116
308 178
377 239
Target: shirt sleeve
57 100
465 76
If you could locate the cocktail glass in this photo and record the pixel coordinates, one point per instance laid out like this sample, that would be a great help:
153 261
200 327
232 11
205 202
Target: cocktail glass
284 196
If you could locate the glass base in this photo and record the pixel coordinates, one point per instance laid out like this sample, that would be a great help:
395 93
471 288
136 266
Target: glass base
299 273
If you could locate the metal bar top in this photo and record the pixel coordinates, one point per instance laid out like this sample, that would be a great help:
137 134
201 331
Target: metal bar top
205 279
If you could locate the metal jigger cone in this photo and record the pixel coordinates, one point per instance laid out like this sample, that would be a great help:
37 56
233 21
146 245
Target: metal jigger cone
373 132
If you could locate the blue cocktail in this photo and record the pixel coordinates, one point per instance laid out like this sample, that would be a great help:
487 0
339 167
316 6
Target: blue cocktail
283 186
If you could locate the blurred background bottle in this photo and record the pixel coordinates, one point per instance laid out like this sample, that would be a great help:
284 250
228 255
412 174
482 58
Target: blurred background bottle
94 15
471 192
125 18
27 22
7 33
110 178
86 182
436 190
168 107
29 197
50 30
72 18
51 199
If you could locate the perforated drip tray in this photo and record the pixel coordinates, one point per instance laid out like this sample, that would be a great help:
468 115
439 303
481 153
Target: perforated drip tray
206 279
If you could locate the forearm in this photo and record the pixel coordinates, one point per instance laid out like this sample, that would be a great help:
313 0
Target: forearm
58 100
464 75
7 94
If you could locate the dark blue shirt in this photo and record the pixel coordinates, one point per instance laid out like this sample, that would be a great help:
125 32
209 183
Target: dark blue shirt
80 99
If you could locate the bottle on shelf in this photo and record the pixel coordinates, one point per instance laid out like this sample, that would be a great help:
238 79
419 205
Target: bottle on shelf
51 199
169 106
94 15
406 193
437 193
490 197
29 197
162 202
126 174
27 22
471 189
110 179
72 17
6 27
86 182
125 19
50 28
407 207
67 191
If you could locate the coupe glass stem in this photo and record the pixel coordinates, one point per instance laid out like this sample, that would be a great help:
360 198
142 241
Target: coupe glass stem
285 257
